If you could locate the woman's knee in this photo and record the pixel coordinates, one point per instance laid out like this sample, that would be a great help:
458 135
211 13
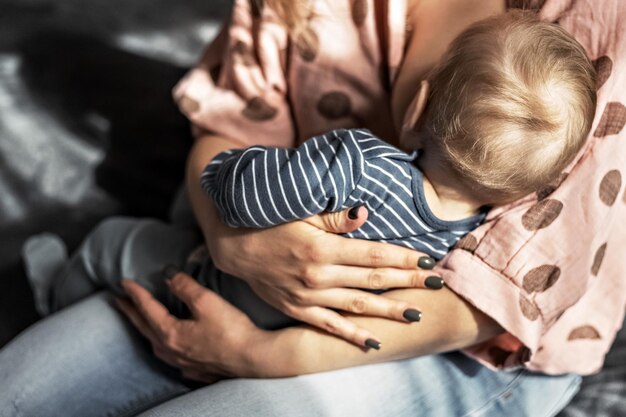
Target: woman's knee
84 358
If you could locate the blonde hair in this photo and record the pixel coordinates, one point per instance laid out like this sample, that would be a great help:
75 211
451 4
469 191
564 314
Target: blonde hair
294 14
510 105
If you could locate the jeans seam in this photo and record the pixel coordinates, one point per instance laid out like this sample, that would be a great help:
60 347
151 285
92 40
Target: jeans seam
515 381
572 386
141 403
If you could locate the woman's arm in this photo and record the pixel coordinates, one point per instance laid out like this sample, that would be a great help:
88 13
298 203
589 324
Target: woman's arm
313 273
449 323
261 186
220 340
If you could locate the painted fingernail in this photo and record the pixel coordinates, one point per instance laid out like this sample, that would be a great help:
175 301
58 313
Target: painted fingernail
426 262
169 272
436 283
353 213
374 344
412 314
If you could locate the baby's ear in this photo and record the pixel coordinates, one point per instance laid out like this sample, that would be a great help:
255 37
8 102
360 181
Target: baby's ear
409 137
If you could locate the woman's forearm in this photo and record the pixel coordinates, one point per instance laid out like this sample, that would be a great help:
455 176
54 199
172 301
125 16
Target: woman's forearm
203 151
448 323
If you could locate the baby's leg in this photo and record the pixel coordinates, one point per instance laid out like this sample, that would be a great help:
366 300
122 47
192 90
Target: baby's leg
237 292
122 248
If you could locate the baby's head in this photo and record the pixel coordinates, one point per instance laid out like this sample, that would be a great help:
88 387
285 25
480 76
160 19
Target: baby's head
510 106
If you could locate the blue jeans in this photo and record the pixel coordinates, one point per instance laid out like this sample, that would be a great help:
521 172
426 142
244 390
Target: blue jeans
86 360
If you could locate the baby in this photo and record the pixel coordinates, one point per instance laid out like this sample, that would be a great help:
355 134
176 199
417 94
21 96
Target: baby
507 109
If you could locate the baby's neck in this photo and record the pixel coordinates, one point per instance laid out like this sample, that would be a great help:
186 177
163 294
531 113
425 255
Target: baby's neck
446 197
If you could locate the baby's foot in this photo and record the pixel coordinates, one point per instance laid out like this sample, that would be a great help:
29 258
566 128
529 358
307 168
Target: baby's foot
44 255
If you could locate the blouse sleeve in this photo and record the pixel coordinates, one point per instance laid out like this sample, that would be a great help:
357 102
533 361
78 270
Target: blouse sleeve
238 89
549 268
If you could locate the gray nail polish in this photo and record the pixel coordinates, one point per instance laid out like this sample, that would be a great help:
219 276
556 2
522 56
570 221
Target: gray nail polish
353 213
374 344
169 271
426 262
436 283
412 314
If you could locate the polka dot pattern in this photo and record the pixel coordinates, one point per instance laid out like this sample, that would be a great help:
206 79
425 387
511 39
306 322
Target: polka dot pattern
529 309
334 105
359 11
541 278
259 110
188 105
584 332
612 121
610 186
542 214
256 8
603 66
597 259
308 45
498 355
215 72
243 53
550 188
468 243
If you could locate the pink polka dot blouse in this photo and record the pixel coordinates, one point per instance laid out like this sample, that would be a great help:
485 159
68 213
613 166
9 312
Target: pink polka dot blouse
550 268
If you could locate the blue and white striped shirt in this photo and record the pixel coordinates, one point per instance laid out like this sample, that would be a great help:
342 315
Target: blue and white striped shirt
263 187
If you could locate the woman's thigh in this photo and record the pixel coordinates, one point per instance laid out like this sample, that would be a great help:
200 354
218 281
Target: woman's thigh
85 360
436 385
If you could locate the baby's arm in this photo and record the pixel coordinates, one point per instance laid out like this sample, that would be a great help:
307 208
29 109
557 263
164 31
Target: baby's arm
263 187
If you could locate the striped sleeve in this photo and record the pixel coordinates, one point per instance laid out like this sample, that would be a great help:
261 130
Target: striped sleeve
263 187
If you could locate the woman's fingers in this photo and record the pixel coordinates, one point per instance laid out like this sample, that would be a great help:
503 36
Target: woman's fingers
367 304
359 252
334 323
344 221
340 276
152 311
137 319
194 295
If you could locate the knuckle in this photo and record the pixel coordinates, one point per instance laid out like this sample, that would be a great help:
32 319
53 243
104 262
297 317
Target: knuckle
358 305
409 261
397 310
332 326
170 340
376 280
416 280
292 311
199 298
310 278
298 297
334 222
376 256
314 253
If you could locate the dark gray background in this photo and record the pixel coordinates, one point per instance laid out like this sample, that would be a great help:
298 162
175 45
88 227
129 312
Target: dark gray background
88 129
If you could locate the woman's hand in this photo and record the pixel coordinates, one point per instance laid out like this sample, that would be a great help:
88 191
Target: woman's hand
209 346
219 341
307 271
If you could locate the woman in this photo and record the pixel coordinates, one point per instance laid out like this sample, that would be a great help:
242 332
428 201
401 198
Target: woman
87 352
